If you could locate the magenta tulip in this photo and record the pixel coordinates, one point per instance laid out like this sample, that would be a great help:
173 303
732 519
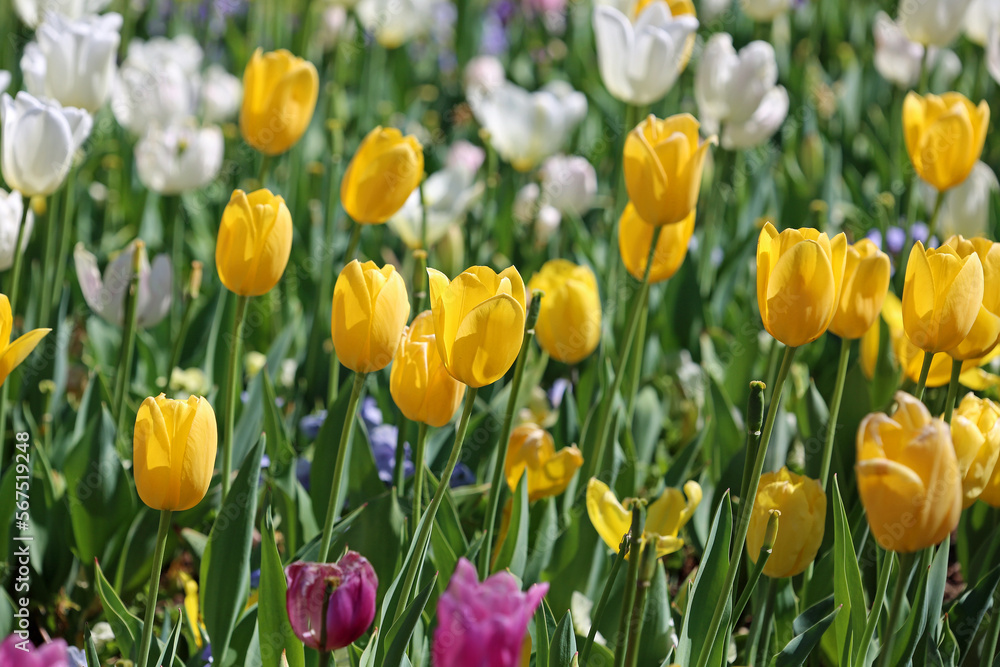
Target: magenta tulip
17 652
483 624
345 589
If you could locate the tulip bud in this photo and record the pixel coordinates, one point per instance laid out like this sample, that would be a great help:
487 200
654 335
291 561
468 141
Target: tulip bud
663 161
384 171
255 241
370 309
942 296
330 605
179 158
12 354
985 331
908 477
483 623
975 432
865 284
531 451
173 451
569 319
799 277
477 320
944 136
279 97
933 22
419 383
801 503
635 236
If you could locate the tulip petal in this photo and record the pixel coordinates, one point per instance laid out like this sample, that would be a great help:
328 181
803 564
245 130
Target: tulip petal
610 519
484 348
801 295
18 351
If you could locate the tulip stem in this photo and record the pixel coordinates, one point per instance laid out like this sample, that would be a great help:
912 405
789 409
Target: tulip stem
15 277
232 379
346 433
69 208
175 353
418 471
352 244
128 346
631 581
324 657
760 628
426 522
500 453
906 564
949 405
935 213
746 508
647 568
993 633
603 602
835 400
48 261
925 368
154 586
876 612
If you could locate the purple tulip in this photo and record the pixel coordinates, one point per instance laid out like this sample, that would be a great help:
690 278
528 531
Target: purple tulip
483 623
345 590
17 652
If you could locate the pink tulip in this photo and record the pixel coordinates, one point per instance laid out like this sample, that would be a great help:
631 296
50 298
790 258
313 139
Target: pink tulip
52 654
483 624
347 591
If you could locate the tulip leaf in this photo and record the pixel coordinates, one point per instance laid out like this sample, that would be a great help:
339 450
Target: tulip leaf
563 643
930 591
544 527
368 655
399 634
279 451
310 550
169 651
272 613
127 628
90 649
848 591
513 554
225 567
658 627
968 611
545 627
809 631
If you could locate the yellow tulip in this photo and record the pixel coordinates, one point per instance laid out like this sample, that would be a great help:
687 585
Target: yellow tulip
665 516
908 477
663 161
255 240
279 97
370 309
635 235
385 170
802 504
985 331
478 322
975 432
173 451
799 277
420 385
532 451
569 319
12 354
944 136
866 281
942 295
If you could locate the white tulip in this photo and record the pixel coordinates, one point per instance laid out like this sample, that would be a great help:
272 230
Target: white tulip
11 210
932 22
899 60
396 22
179 158
525 128
526 203
158 83
39 140
33 12
4 80
106 296
765 10
569 183
547 223
739 93
448 194
333 26
993 53
711 9
966 207
639 63
73 61
221 94
981 17
483 75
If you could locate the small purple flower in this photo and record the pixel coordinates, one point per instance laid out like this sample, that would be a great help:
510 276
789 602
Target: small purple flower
76 657
557 391
895 239
919 232
383 441
311 424
302 468
255 579
370 414
462 476
206 655
494 40
875 236
345 590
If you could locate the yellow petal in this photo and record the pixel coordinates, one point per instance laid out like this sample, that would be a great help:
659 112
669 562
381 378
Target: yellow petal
610 519
16 352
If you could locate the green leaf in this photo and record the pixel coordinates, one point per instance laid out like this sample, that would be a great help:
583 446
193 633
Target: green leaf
127 628
272 614
563 643
931 583
543 634
658 626
513 554
225 567
809 631
399 634
91 649
169 651
848 591
310 550
967 613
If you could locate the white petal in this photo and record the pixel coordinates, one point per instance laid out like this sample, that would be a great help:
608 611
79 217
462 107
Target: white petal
761 125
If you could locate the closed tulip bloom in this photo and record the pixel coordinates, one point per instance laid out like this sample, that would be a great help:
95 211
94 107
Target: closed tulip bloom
802 504
866 282
221 95
635 236
173 451
179 158
966 207
975 432
665 516
899 59
569 320
663 161
799 277
255 240
396 22
908 477
52 654
106 295
279 97
11 211
933 22
38 142
420 385
942 296
158 83
383 173
483 624
13 353
345 590
569 183
985 331
944 136
370 309
477 320
32 12
531 451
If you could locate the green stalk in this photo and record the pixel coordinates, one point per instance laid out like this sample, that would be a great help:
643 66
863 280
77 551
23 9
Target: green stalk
500 453
265 168
761 626
418 471
949 405
399 464
128 346
424 536
631 581
11 297
925 368
232 380
646 570
746 508
65 239
48 262
993 634
876 612
906 564
932 223
175 352
603 602
352 244
333 508
835 400
154 586
758 569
